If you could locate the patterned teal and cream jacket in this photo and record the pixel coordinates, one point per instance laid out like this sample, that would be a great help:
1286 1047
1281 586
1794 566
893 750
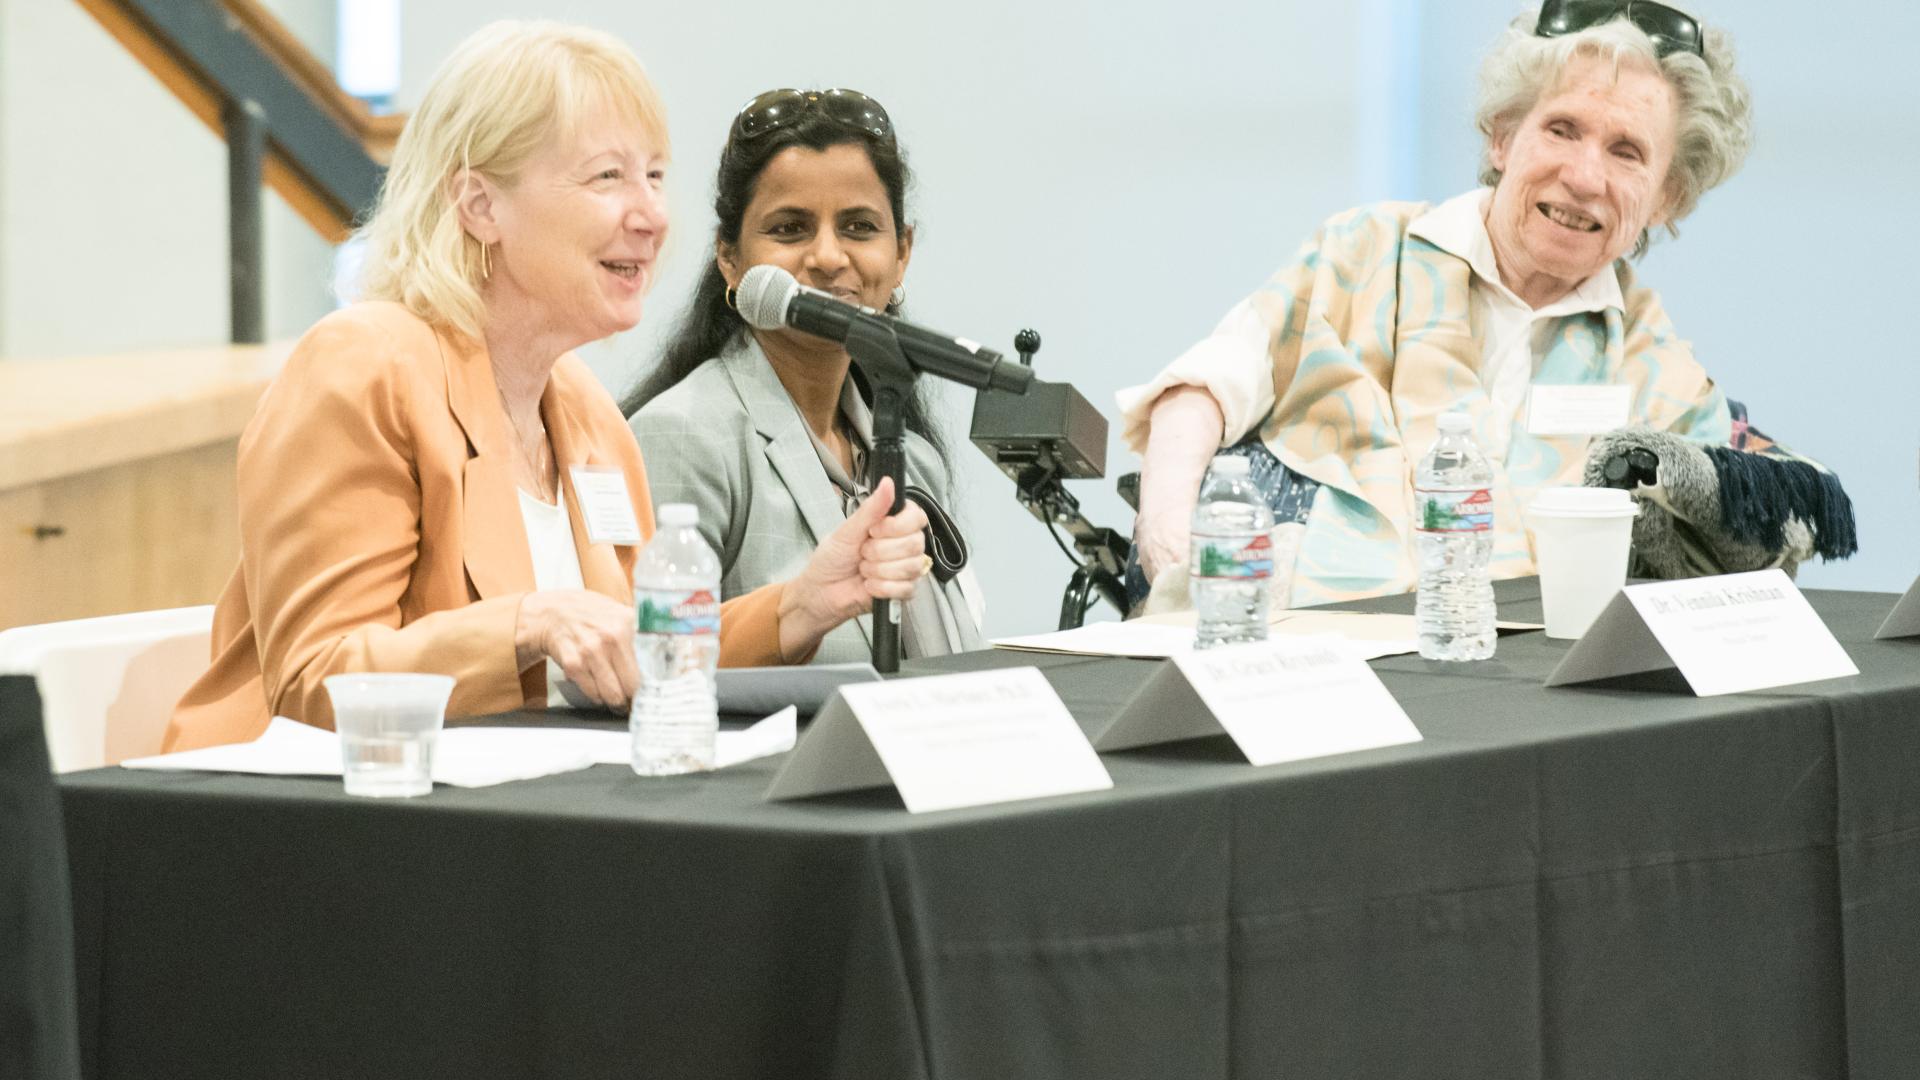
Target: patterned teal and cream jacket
1391 315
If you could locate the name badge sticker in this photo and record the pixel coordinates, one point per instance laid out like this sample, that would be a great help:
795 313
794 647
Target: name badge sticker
601 491
1578 410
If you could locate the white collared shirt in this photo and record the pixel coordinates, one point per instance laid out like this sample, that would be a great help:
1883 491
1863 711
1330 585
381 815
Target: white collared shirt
1234 365
1514 338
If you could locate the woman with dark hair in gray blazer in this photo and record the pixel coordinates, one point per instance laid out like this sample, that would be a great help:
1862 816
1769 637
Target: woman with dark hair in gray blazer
767 431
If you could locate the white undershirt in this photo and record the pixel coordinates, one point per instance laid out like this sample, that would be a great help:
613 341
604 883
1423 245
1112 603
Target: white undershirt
556 563
1234 365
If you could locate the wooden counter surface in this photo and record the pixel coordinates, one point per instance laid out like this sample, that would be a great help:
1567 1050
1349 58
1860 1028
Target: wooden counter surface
64 417
117 487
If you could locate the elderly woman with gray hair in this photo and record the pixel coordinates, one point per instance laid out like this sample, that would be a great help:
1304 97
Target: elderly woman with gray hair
1604 120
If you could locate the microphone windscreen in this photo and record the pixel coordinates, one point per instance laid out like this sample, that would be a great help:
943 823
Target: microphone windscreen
764 295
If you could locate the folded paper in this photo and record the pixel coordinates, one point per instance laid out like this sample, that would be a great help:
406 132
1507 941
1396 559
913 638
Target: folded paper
1727 634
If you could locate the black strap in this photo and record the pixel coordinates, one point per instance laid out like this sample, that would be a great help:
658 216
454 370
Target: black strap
944 542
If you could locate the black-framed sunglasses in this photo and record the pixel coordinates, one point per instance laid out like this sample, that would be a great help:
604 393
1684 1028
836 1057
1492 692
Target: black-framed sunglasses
1672 30
777 108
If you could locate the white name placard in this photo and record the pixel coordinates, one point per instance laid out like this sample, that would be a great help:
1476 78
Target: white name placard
1283 699
947 741
1577 410
601 491
1904 619
1726 634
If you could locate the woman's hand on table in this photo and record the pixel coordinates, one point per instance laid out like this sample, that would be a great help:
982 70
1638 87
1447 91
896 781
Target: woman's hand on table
1164 535
588 635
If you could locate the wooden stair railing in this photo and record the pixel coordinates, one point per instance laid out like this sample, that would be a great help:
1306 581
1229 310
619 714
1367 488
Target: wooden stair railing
286 121
156 43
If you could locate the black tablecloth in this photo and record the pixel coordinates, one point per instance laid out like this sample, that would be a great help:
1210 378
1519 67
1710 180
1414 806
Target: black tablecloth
36 931
1610 881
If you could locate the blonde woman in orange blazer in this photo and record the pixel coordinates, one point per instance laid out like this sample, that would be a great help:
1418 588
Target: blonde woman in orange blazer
384 478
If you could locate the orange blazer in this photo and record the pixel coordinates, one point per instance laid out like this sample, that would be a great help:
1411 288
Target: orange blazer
380 529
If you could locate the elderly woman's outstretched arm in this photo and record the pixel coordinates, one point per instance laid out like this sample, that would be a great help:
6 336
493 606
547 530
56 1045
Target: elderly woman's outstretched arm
1185 433
1209 398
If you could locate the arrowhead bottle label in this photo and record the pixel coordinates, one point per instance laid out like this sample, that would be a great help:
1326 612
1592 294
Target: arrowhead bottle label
693 612
1217 557
1448 510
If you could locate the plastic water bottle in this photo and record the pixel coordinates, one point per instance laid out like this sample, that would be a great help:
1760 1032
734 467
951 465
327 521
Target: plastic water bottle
1232 556
1453 498
676 598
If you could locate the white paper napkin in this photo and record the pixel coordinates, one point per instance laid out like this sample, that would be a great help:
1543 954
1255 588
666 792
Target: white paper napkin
466 756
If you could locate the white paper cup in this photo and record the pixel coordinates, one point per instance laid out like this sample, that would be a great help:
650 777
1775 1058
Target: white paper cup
1581 537
388 725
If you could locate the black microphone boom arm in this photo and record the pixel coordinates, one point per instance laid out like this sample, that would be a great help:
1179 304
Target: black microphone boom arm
1040 440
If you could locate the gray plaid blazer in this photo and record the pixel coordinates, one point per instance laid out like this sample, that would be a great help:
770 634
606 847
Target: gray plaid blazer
729 440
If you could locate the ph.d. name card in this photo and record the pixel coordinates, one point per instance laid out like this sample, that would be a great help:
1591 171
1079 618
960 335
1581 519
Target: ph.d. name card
1284 699
1726 634
947 741
1904 619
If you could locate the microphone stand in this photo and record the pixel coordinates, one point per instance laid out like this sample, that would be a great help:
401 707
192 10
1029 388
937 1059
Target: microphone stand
890 377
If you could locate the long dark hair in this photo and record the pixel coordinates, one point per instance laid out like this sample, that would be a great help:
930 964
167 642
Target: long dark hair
710 324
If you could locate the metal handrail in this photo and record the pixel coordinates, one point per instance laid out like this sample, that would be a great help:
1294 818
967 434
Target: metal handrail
286 122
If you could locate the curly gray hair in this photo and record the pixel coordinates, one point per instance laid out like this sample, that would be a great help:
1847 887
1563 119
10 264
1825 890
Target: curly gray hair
1715 128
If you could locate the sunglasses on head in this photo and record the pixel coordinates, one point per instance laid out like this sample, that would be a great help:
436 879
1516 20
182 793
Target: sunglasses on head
777 108
1672 30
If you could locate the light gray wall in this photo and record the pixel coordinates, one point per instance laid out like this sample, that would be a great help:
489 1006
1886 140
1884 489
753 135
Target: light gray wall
113 199
1788 279
1114 174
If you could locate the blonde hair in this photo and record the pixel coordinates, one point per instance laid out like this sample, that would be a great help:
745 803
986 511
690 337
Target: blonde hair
1715 110
506 93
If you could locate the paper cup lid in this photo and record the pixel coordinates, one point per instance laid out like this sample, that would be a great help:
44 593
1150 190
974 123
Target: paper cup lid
1583 502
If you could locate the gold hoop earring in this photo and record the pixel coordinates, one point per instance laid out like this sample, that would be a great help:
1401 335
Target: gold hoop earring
486 262
733 295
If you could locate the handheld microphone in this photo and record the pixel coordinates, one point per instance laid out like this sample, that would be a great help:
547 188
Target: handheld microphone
769 298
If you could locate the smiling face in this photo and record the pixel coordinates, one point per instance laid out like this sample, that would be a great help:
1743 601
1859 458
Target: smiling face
575 237
824 217
1582 175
